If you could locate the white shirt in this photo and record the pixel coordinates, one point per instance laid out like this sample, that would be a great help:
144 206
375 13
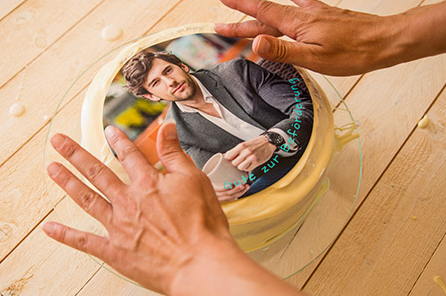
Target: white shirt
231 123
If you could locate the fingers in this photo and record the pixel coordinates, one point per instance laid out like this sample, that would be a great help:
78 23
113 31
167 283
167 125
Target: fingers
94 170
277 50
246 29
85 197
269 13
234 152
231 194
231 188
248 164
244 160
169 149
95 245
129 155
241 156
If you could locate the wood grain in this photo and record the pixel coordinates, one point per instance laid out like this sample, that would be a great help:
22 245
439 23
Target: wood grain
9 5
397 229
49 267
27 28
425 284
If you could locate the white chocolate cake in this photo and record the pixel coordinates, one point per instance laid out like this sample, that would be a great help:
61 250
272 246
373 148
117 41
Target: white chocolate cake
261 218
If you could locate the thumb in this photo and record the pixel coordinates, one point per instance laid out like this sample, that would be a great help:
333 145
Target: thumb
277 50
169 149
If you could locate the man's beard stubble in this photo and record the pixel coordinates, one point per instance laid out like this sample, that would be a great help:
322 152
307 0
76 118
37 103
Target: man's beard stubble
192 87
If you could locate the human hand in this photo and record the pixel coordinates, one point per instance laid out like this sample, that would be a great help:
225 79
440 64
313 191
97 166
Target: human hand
327 39
224 194
155 230
250 154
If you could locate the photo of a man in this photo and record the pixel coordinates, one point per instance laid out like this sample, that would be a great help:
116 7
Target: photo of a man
260 122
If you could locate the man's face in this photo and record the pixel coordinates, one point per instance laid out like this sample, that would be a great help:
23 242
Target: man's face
166 81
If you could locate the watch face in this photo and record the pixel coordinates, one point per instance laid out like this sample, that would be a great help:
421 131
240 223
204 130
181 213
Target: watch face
276 139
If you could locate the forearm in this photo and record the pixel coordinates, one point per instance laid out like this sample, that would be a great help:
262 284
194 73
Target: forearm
416 33
223 269
336 41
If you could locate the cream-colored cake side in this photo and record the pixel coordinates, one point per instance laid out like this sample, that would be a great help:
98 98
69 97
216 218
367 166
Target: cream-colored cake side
261 218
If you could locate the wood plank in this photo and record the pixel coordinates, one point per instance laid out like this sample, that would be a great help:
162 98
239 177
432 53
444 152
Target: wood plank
9 5
37 264
27 29
392 237
68 58
106 283
426 285
196 11
380 7
24 203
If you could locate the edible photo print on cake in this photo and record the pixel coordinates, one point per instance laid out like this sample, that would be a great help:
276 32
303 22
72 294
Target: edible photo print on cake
244 121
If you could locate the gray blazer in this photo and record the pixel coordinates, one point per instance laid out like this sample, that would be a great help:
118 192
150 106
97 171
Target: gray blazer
253 94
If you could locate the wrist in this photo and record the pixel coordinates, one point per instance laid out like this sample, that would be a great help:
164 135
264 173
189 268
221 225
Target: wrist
270 146
426 30
274 139
414 34
212 260
391 42
222 269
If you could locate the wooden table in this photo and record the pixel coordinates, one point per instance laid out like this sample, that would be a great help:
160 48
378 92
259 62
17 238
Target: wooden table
394 242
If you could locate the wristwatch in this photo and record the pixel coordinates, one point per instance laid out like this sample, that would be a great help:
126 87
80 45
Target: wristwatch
274 138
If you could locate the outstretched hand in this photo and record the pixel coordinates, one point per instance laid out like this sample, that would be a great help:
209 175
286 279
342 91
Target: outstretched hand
327 39
155 230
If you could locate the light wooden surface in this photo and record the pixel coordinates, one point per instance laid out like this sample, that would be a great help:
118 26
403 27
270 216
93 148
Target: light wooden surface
394 242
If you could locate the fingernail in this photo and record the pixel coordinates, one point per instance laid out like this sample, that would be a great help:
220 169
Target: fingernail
170 129
57 141
110 131
262 45
49 227
218 26
53 169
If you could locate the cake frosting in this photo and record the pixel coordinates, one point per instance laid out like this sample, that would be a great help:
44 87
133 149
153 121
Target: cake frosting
261 218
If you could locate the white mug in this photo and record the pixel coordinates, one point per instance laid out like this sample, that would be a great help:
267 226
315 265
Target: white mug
221 170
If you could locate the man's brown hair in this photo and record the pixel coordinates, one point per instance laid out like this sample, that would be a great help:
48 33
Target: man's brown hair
136 69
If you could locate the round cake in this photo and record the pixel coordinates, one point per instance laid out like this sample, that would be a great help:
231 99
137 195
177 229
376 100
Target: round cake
259 219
